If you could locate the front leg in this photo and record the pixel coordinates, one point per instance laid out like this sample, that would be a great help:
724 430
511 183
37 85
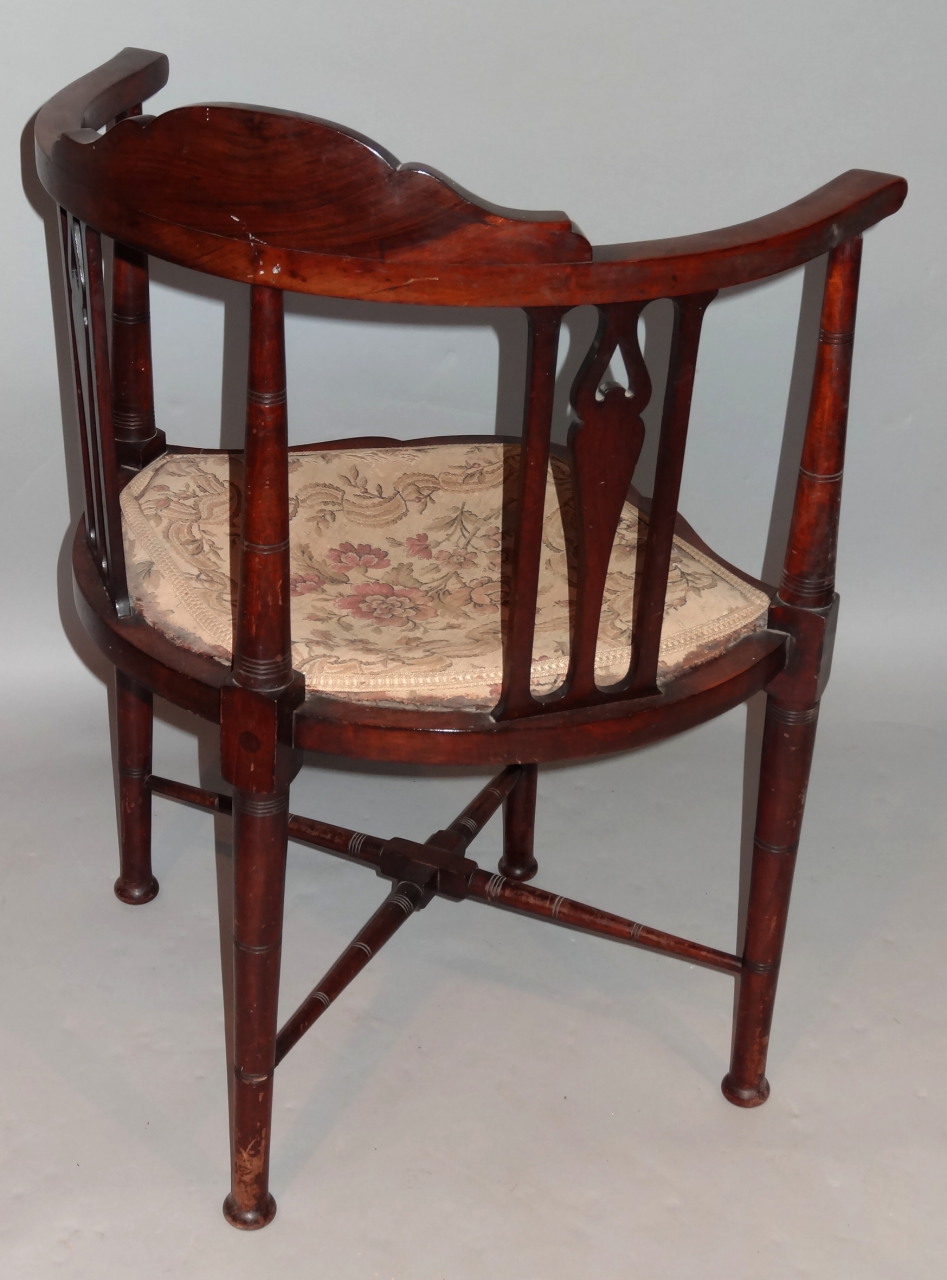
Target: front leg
260 835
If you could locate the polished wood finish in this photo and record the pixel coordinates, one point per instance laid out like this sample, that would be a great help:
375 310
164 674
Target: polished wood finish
516 696
805 606
88 329
519 827
609 426
134 714
284 202
137 439
688 317
254 755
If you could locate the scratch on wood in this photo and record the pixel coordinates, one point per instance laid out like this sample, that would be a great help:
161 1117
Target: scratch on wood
248 1163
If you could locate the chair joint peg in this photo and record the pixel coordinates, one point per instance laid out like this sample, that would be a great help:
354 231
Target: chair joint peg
445 870
809 654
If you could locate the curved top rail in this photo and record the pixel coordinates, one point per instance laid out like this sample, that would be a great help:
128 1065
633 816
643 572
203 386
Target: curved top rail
805 229
273 198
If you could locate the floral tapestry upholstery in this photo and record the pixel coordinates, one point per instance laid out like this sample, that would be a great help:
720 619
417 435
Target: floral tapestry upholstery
396 572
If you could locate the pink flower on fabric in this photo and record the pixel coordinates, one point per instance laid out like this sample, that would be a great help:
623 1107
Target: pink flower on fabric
363 556
388 606
416 544
457 559
300 584
483 595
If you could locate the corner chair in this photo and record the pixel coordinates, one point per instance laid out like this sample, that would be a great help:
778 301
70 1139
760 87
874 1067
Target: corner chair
474 601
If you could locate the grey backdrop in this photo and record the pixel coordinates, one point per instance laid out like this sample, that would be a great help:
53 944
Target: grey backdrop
640 119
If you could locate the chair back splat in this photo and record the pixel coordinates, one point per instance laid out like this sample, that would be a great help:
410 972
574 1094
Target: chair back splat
442 601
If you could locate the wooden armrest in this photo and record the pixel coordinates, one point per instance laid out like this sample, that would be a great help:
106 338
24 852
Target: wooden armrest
809 227
118 86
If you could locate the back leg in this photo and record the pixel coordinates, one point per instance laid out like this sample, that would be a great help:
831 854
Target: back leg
134 715
519 826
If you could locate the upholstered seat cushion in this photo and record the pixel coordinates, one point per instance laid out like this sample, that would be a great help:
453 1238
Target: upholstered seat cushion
396 580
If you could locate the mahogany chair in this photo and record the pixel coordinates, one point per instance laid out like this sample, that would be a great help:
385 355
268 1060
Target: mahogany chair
438 602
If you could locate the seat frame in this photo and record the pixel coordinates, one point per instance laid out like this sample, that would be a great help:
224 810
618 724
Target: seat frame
360 226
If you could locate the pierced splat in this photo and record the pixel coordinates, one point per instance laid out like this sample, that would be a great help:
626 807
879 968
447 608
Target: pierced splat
609 426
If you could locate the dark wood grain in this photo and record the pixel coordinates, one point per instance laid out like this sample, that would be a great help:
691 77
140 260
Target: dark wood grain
254 756
133 723
653 572
116 89
259 876
809 575
519 827
262 640
516 696
87 173
805 607
610 427
137 439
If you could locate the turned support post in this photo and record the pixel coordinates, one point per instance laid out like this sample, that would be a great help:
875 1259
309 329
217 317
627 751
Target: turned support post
137 440
257 759
805 608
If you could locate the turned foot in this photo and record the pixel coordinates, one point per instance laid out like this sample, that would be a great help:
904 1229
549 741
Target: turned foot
523 869
744 1097
136 892
249 1219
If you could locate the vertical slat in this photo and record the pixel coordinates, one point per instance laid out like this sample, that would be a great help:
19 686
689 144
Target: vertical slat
653 573
86 292
809 573
133 411
111 535
605 445
516 697
87 362
262 648
74 280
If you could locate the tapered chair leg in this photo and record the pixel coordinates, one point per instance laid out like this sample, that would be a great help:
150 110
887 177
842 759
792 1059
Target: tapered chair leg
134 716
260 834
788 739
519 825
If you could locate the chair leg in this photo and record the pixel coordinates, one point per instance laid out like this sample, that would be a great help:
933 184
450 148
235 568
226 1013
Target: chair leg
260 835
134 714
519 826
788 740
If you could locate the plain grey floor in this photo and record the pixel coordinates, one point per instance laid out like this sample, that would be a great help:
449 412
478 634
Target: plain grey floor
495 1098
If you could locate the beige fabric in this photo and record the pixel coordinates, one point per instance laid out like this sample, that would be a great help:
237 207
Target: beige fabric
395 572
